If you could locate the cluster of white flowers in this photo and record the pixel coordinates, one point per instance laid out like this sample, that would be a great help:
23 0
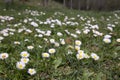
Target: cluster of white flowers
78 43
34 12
23 61
6 32
53 32
81 55
110 27
47 54
6 18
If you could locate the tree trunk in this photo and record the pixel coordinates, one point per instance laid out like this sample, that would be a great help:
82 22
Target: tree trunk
79 4
45 2
88 5
64 3
71 4
8 3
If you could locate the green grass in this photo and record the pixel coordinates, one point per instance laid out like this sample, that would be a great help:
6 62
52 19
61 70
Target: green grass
61 65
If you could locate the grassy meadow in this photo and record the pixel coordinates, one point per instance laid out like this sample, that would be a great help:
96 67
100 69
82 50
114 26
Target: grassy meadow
55 43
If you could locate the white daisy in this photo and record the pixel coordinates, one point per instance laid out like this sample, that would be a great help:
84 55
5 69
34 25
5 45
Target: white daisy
78 42
4 56
16 42
107 40
52 51
31 71
94 56
30 47
77 48
20 65
45 55
24 60
52 41
80 56
24 54
118 40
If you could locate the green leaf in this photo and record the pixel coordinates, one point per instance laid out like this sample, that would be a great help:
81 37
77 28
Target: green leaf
87 74
117 48
57 62
99 76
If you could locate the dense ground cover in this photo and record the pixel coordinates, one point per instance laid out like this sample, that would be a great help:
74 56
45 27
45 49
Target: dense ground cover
59 44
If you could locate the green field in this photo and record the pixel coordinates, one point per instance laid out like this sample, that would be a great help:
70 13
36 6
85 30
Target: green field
58 44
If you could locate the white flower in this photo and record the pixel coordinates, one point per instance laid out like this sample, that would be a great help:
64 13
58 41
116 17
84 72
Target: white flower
95 27
48 31
70 52
107 36
70 47
45 39
40 35
20 30
34 24
30 47
28 30
80 55
26 40
78 31
78 43
106 40
78 15
52 41
110 28
1 38
86 31
59 34
74 35
47 34
94 56
31 71
86 56
77 48
25 21
11 33
4 56
5 34
16 42
24 60
118 40
62 41
52 51
80 51
57 44
67 31
40 46
20 65
52 26
45 55
24 54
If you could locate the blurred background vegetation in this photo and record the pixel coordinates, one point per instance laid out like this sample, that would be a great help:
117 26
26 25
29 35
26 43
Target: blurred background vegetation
72 4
